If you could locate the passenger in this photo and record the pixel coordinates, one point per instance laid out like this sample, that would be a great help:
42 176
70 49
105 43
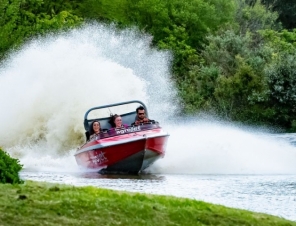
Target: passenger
116 123
95 130
141 117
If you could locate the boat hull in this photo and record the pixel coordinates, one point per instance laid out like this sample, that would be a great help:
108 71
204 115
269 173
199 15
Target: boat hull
128 153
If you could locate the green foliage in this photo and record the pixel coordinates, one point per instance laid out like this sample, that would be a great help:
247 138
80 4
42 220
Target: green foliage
226 80
23 19
223 49
184 54
254 17
105 10
235 95
196 17
198 88
246 80
9 169
283 41
282 89
230 78
220 61
286 10
181 26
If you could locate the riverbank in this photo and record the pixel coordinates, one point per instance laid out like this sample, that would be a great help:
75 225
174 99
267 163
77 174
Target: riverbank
36 203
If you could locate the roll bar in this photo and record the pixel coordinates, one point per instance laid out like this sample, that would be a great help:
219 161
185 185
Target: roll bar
111 105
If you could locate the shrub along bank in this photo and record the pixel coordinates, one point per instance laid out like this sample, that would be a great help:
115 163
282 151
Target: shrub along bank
9 169
35 203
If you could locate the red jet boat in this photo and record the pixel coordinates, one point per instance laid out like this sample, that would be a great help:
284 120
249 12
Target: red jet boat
129 150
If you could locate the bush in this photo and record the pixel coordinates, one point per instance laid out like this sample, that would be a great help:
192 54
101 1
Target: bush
9 169
282 89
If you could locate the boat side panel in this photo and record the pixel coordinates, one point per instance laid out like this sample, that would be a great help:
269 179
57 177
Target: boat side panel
149 158
155 149
83 159
157 144
109 155
129 165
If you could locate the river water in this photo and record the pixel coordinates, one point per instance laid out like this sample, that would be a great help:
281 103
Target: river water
48 84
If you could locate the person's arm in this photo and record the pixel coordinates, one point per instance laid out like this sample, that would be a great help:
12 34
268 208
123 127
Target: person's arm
111 131
91 137
136 123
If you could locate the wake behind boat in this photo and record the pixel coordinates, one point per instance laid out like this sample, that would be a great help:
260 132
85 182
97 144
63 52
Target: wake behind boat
130 149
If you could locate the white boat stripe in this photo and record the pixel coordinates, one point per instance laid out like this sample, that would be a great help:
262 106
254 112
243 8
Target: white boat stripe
113 143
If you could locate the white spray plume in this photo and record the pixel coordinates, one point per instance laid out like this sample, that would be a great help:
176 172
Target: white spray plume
48 85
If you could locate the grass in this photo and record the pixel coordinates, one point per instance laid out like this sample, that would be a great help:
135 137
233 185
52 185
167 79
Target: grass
37 203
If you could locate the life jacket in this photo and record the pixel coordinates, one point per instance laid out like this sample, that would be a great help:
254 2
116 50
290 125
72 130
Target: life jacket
141 121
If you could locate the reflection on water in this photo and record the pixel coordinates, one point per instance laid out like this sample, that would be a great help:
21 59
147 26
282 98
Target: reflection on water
272 194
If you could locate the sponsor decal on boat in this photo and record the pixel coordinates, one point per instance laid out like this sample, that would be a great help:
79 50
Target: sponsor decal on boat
129 130
99 158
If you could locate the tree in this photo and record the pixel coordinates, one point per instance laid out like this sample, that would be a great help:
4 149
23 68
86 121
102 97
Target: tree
23 19
286 10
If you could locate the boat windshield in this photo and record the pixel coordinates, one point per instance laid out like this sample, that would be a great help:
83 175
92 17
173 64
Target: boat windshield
131 129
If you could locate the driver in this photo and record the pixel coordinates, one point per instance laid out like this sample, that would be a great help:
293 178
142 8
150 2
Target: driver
141 116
